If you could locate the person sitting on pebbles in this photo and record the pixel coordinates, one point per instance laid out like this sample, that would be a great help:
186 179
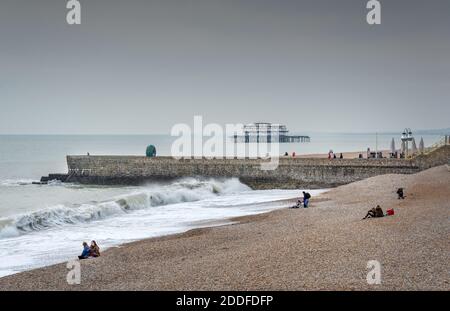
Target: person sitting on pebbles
400 194
94 250
374 212
85 252
304 201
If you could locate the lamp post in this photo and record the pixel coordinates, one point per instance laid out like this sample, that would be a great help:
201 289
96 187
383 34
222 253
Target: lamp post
376 145
406 137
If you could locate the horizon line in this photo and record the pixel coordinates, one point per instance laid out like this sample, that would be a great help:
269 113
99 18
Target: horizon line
168 134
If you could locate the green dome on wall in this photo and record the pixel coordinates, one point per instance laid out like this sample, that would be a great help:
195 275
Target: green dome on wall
151 151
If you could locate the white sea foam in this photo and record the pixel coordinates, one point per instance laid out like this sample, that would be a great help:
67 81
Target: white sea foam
16 182
54 234
186 190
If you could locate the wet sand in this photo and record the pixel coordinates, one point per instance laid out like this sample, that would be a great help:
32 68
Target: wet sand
324 247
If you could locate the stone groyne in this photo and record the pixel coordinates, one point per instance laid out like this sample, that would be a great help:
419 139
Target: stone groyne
290 173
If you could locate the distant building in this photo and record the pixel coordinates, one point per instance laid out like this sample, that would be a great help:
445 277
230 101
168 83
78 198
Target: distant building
268 132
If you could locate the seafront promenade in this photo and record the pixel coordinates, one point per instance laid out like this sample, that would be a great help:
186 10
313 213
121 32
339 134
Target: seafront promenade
289 173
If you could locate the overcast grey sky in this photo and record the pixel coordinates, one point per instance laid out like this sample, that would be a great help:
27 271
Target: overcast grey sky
140 66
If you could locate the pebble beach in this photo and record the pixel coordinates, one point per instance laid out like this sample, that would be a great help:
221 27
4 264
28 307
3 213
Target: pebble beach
324 247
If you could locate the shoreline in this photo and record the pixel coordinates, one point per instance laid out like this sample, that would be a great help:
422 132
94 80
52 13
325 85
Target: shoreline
198 226
324 247
192 225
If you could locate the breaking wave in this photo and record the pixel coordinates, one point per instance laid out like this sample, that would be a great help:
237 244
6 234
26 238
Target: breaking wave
186 190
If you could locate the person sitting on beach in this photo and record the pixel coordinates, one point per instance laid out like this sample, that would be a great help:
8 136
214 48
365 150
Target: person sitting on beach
306 197
304 201
400 194
374 212
378 212
341 156
299 203
86 251
94 250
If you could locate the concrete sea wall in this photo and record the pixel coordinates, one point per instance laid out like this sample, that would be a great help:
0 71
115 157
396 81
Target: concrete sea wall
290 173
